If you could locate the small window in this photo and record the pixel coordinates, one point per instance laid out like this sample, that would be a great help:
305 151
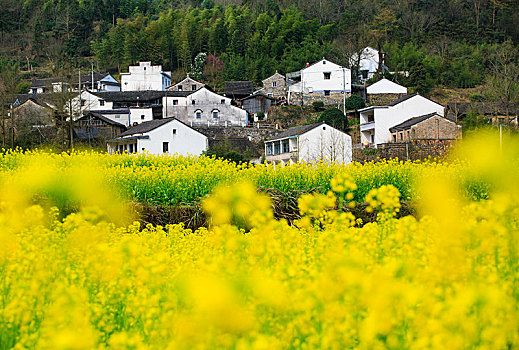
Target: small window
274 84
165 147
324 62
193 87
175 102
82 103
143 116
326 92
222 102
394 138
285 145
198 114
269 149
401 136
193 102
101 102
135 123
117 116
327 75
324 127
215 114
174 131
144 68
180 88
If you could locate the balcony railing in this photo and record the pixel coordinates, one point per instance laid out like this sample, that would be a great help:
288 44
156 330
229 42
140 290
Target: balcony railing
367 126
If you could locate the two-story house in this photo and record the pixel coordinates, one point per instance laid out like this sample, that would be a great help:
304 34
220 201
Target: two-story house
188 84
375 121
275 86
322 81
203 107
145 77
311 143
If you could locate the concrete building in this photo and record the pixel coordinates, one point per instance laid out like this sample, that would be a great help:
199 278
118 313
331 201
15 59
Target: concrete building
145 77
310 143
375 121
164 136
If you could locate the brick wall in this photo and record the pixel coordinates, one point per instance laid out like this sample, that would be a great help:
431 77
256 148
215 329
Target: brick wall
433 128
414 150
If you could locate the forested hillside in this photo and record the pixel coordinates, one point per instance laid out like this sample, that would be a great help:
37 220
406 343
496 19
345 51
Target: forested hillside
453 43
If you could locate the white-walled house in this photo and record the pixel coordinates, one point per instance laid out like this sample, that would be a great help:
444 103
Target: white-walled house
187 84
322 81
125 107
368 63
161 136
203 107
385 86
375 121
310 143
145 77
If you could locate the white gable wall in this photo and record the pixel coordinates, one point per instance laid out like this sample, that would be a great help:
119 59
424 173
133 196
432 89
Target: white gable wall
185 141
386 118
325 142
313 78
144 77
386 86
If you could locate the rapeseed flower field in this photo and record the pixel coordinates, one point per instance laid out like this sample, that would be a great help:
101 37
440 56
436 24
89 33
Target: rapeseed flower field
78 272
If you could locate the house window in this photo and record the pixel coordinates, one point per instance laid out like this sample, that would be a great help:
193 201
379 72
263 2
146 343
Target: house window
117 116
198 114
215 114
179 88
324 127
394 138
165 147
193 87
174 131
327 75
277 147
143 116
401 136
269 149
175 102
82 103
274 84
135 123
101 102
326 92
131 147
193 102
222 102
144 68
408 135
284 144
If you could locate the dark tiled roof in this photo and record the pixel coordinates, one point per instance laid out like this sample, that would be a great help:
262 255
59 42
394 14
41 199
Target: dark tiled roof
103 118
133 96
238 88
258 94
298 130
42 82
402 99
41 99
410 122
146 126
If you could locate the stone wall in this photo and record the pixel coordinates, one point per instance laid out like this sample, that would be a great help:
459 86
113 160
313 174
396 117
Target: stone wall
383 99
414 150
335 98
433 128
258 136
279 91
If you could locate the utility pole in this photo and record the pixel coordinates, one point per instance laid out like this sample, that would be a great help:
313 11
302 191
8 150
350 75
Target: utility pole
92 75
343 91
